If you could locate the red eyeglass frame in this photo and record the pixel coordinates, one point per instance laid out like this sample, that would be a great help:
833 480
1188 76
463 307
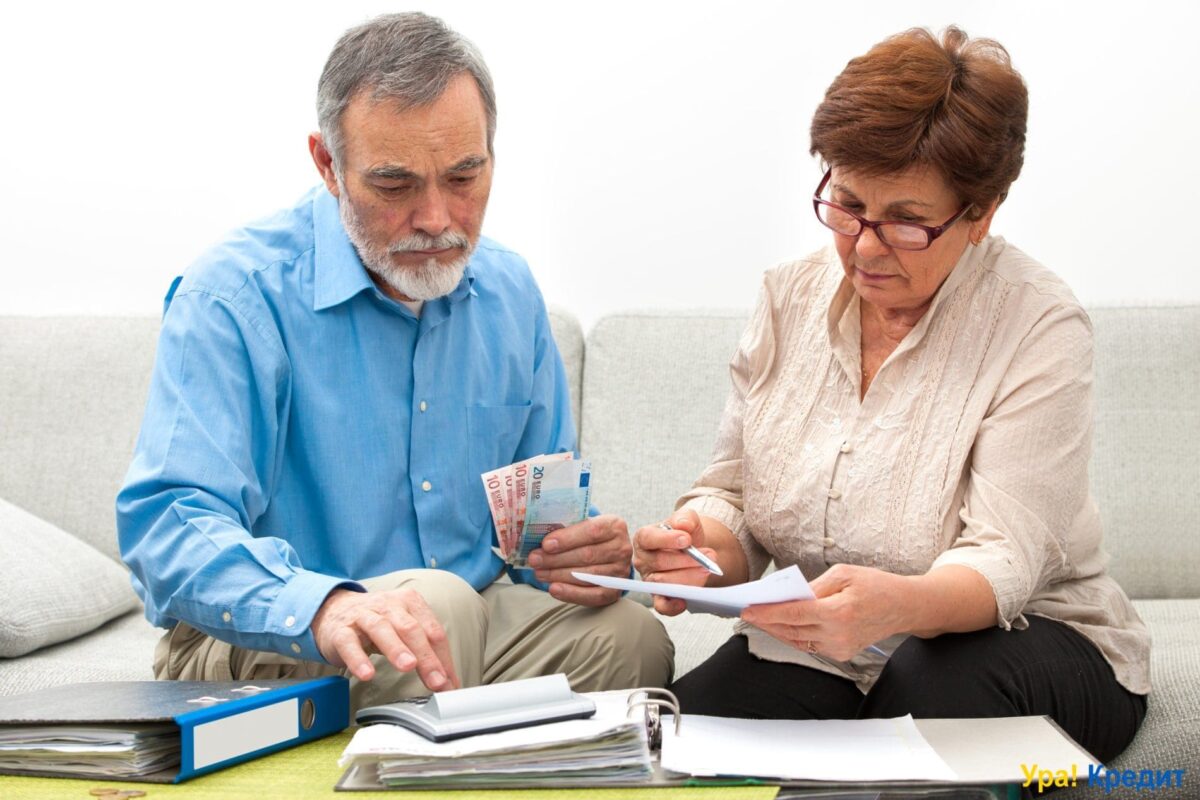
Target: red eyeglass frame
932 233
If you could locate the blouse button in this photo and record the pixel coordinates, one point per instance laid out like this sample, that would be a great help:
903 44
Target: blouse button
834 494
827 542
846 448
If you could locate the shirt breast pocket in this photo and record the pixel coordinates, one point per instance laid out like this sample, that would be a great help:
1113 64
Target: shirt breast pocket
493 434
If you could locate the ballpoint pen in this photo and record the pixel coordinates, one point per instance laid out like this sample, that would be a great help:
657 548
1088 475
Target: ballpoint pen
699 557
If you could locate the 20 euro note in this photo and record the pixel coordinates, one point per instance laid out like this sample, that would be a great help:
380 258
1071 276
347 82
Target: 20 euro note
559 494
518 497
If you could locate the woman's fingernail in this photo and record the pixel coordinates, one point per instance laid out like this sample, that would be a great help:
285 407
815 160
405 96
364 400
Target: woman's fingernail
535 559
437 679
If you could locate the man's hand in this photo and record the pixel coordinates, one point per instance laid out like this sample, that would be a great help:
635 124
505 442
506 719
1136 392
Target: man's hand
855 607
397 623
659 556
599 545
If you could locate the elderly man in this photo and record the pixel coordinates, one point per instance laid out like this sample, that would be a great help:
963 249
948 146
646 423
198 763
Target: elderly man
331 381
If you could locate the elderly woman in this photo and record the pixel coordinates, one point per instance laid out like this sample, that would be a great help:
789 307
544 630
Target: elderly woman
910 423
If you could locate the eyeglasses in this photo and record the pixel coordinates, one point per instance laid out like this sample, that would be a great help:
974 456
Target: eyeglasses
898 235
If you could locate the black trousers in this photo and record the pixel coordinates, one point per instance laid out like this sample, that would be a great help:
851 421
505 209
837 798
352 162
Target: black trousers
1047 669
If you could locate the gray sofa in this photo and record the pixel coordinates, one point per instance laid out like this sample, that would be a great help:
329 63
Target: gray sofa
649 388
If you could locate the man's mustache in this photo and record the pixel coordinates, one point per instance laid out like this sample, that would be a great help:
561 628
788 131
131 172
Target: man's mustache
419 241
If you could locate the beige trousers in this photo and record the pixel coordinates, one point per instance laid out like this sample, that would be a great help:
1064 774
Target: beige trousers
504 633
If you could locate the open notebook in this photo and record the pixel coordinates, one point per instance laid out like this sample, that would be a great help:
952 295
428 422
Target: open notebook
621 746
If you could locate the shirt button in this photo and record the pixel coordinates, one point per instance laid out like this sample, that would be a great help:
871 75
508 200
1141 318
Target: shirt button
846 448
295 647
289 622
433 563
227 616
423 406
834 494
426 486
827 542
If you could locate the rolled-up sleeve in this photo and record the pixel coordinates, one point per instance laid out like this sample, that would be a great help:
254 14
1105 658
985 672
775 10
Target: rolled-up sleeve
719 491
202 474
1028 470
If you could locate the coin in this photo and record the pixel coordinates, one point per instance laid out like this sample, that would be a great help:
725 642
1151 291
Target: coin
131 793
102 791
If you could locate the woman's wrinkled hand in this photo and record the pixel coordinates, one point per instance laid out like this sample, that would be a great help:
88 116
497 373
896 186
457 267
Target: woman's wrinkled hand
855 607
658 556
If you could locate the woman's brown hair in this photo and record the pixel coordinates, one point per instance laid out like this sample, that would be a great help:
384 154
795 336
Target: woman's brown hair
956 105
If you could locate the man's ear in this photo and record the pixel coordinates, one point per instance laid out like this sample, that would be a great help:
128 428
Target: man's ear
324 161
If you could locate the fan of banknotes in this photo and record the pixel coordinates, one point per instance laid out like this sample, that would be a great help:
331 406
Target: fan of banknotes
531 498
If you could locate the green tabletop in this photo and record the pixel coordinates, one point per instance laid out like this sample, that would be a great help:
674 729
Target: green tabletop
311 771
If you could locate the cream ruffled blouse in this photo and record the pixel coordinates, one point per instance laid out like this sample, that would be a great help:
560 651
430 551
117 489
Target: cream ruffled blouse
970 447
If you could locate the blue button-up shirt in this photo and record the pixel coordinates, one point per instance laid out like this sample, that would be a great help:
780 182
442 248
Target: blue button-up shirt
303 430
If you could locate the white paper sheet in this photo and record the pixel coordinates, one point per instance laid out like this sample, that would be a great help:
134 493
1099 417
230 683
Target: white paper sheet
827 750
724 601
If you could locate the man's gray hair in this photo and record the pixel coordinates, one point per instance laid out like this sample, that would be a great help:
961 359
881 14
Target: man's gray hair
409 58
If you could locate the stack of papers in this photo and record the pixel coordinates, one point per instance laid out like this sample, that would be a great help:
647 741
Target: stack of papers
605 749
130 751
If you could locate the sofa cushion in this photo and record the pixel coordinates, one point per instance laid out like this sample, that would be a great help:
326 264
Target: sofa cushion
120 650
56 587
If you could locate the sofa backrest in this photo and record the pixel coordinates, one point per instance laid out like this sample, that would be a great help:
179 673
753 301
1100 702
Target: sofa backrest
1146 462
72 390
72 393
655 384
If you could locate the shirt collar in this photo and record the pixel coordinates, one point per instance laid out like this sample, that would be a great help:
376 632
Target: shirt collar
340 274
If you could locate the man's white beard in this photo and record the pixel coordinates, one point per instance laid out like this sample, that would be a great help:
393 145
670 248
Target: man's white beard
425 281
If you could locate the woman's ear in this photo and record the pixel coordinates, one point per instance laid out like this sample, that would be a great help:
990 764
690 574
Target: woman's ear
979 228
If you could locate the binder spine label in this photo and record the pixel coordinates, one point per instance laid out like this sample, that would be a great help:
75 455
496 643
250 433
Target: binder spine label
245 733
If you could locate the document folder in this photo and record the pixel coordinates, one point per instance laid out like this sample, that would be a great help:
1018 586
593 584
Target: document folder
215 724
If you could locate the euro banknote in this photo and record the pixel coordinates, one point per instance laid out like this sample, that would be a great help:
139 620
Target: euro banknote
531 498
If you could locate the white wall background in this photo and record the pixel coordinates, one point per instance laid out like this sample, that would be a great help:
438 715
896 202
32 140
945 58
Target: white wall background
649 153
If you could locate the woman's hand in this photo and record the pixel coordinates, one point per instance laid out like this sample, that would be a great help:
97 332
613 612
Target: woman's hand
658 555
855 607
